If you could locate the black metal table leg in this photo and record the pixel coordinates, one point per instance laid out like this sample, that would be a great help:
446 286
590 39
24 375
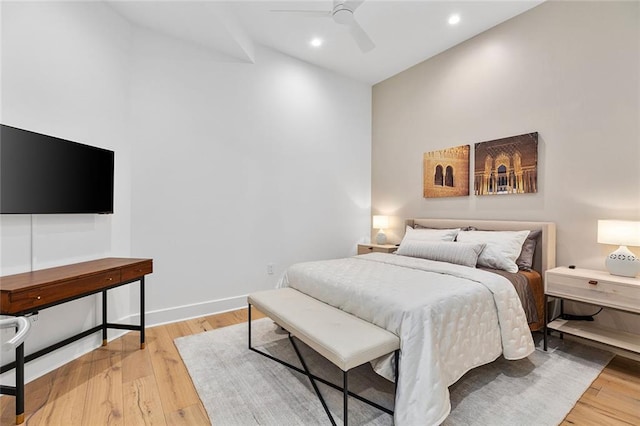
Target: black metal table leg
104 317
20 384
142 341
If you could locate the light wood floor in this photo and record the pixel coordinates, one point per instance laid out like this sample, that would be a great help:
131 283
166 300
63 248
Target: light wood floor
122 385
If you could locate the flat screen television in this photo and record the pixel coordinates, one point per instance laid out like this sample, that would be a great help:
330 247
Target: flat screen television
42 174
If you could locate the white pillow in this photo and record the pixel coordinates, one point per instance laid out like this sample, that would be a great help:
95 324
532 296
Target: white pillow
430 234
502 247
465 254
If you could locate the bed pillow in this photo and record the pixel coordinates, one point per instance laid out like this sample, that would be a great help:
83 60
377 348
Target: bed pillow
525 260
502 247
466 228
465 254
430 234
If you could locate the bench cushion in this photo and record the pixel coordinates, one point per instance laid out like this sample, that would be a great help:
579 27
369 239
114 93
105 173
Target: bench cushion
342 338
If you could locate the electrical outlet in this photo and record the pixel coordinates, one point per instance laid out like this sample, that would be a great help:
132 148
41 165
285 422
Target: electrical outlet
270 268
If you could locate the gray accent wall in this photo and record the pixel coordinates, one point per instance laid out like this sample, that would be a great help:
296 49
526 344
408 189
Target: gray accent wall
568 70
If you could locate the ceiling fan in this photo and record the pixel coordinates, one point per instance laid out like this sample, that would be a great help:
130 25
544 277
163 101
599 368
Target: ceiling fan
343 13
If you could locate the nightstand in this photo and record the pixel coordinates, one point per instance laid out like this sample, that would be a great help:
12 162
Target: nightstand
376 248
597 288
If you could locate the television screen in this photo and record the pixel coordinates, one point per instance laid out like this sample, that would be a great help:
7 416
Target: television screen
44 174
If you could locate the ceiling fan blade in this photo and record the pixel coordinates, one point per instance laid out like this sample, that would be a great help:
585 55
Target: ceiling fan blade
361 37
352 5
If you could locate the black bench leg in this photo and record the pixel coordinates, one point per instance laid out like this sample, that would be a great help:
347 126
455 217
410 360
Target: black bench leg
546 320
313 378
249 322
313 382
345 397
396 356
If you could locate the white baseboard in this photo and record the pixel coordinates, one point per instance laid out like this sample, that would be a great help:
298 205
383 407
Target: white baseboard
185 312
56 359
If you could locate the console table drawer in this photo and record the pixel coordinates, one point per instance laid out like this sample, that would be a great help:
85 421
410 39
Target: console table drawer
42 296
594 290
136 271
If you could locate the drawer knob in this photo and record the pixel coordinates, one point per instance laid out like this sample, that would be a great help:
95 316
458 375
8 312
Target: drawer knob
38 298
370 248
593 282
109 279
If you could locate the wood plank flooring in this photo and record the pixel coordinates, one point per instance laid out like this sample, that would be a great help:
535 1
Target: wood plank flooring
119 384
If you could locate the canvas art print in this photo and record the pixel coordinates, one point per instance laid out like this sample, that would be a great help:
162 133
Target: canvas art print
507 166
446 172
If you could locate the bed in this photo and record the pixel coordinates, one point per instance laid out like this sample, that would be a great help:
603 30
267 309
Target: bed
450 317
544 256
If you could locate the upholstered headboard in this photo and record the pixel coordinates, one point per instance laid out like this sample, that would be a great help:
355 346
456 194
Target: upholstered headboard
545 255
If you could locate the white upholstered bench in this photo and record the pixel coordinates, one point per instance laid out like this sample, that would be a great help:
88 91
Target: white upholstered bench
344 339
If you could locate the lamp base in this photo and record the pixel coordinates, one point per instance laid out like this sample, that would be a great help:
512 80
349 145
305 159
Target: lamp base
381 238
623 262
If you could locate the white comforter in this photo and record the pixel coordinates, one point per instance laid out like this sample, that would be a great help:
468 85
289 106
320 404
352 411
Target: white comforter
449 318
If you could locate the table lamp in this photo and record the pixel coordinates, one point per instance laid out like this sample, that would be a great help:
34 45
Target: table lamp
623 233
380 223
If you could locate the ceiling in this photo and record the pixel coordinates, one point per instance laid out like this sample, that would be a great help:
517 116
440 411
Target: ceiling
404 32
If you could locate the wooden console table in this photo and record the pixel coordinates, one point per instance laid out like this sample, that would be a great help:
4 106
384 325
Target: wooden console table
27 293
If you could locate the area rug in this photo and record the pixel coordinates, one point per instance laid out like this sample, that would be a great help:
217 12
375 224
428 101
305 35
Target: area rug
240 387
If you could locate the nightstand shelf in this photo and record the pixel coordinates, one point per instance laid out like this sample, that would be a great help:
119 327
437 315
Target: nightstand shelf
376 248
587 330
597 288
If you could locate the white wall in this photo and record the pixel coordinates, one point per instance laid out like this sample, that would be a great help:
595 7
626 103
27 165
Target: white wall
238 165
64 73
221 167
568 70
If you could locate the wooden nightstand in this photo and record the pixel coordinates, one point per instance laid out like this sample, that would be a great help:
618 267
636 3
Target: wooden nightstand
376 248
598 288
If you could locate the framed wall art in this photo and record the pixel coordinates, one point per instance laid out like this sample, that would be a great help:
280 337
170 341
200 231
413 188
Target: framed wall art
507 166
446 172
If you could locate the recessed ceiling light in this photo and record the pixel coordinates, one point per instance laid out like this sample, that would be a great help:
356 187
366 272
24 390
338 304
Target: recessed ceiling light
316 42
454 19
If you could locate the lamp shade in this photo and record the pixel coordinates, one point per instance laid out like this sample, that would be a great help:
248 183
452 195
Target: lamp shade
619 232
380 222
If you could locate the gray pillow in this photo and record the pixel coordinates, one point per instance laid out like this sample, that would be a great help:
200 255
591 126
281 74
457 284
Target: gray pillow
465 254
525 260
429 234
